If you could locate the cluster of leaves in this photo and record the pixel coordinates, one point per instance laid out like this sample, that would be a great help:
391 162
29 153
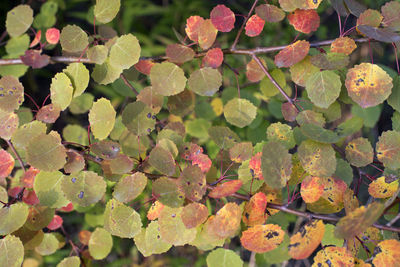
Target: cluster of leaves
190 144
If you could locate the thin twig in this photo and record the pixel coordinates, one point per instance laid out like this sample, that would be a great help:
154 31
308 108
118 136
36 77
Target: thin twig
16 155
233 47
128 84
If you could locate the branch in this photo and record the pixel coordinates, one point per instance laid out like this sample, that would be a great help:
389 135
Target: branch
128 84
242 27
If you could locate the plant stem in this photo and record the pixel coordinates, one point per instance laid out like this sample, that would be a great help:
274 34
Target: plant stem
233 47
16 155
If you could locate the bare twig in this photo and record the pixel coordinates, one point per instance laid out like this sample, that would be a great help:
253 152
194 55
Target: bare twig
233 47
129 84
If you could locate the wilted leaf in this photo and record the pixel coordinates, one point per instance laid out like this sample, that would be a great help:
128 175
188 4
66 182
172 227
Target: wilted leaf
388 149
225 189
306 240
316 158
205 81
254 26
304 21
262 238
35 59
240 112
292 54
270 13
276 164
387 253
167 79
181 104
223 18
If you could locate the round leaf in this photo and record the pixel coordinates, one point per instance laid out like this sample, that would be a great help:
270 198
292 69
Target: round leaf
316 158
138 118
240 112
106 10
262 238
167 79
223 258
18 20
359 152
12 217
323 88
11 93
12 251
102 118
205 81
100 244
79 76
61 90
130 187
125 52
47 186
73 39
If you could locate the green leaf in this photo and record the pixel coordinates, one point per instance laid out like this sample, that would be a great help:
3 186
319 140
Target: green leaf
240 112
18 20
282 133
394 98
39 217
359 152
316 158
330 238
343 171
349 127
167 79
61 90
47 186
330 61
102 118
162 160
11 93
224 137
205 81
323 88
12 251
268 88
22 137
81 104
73 261
73 39
388 149
181 104
121 220
167 192
276 164
17 46
149 240
79 76
98 54
46 153
138 118
84 188
106 10
13 217
223 258
106 73
100 244
370 115
130 187
319 134
75 133
49 245
125 52
198 128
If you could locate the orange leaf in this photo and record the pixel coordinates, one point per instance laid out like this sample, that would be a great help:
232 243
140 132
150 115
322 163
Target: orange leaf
192 27
254 72
304 21
52 35
36 40
387 253
292 54
28 177
144 66
381 188
262 238
155 210
311 189
226 189
254 26
194 214
254 211
223 18
213 58
226 221
6 163
343 45
255 166
203 161
306 240
335 256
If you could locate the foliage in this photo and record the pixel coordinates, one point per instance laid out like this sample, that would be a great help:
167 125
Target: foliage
122 143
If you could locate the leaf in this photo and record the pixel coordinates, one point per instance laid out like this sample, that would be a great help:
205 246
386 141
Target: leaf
61 90
213 58
6 163
100 244
162 160
223 137
81 104
39 217
102 118
75 162
316 158
281 133
181 104
79 76
154 211
354 7
47 186
254 210
125 52
73 261
167 79
319 134
380 188
192 27
239 112
305 21
172 229
370 17
121 220
13 217
241 152
194 214
17 45
225 189
330 61
391 17
106 73
323 88
222 18
45 152
311 189
394 98
359 152
27 132
205 81
268 88
49 245
18 20
226 222
84 188
48 114
130 187
52 35
302 71
179 54
11 93
388 149
262 238
223 258
192 182
149 241
382 35
292 54
12 251
254 72
386 253
276 164
270 13
9 124
306 240
35 59
254 26
98 54
105 10
166 191
357 221
206 34
73 39
343 45
336 256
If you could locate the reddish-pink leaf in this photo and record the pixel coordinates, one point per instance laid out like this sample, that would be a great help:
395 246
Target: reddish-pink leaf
254 26
48 113
226 189
179 54
304 21
52 35
35 59
213 58
144 66
55 223
311 189
14 191
30 197
36 40
6 163
223 18
292 54
255 166
68 208
192 27
28 177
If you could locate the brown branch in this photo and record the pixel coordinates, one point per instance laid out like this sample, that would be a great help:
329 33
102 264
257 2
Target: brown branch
128 84
233 47
16 155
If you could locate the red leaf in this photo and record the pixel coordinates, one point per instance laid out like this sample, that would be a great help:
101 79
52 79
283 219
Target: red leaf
226 189
30 197
203 161
254 26
48 113
29 177
144 66
213 58
223 18
36 40
52 35
35 59
304 21
292 54
6 163
68 208
192 27
55 223
254 72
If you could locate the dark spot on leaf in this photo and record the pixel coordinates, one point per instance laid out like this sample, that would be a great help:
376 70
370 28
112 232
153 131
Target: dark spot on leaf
149 130
158 237
81 195
153 117
173 215
73 180
149 115
330 199
384 191
329 263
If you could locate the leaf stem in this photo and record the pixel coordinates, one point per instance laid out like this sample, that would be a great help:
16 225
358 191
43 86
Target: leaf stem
128 84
